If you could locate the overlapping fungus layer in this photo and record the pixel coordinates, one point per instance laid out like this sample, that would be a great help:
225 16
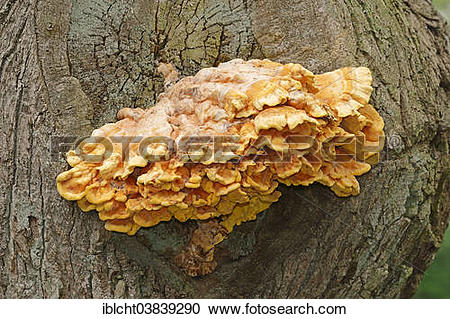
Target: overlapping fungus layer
239 129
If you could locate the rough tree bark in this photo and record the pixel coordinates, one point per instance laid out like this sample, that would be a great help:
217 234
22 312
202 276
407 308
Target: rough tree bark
66 67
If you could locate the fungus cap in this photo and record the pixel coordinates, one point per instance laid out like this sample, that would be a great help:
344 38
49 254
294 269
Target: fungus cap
177 168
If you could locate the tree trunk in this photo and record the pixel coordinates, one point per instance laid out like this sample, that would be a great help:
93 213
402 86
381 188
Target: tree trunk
67 67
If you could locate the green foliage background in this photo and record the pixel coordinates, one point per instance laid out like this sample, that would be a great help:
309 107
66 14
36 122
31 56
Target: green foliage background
443 6
436 282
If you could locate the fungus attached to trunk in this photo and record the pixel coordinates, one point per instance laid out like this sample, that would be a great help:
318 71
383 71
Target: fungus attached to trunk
216 145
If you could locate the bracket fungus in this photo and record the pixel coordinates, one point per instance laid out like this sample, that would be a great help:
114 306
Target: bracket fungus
216 145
